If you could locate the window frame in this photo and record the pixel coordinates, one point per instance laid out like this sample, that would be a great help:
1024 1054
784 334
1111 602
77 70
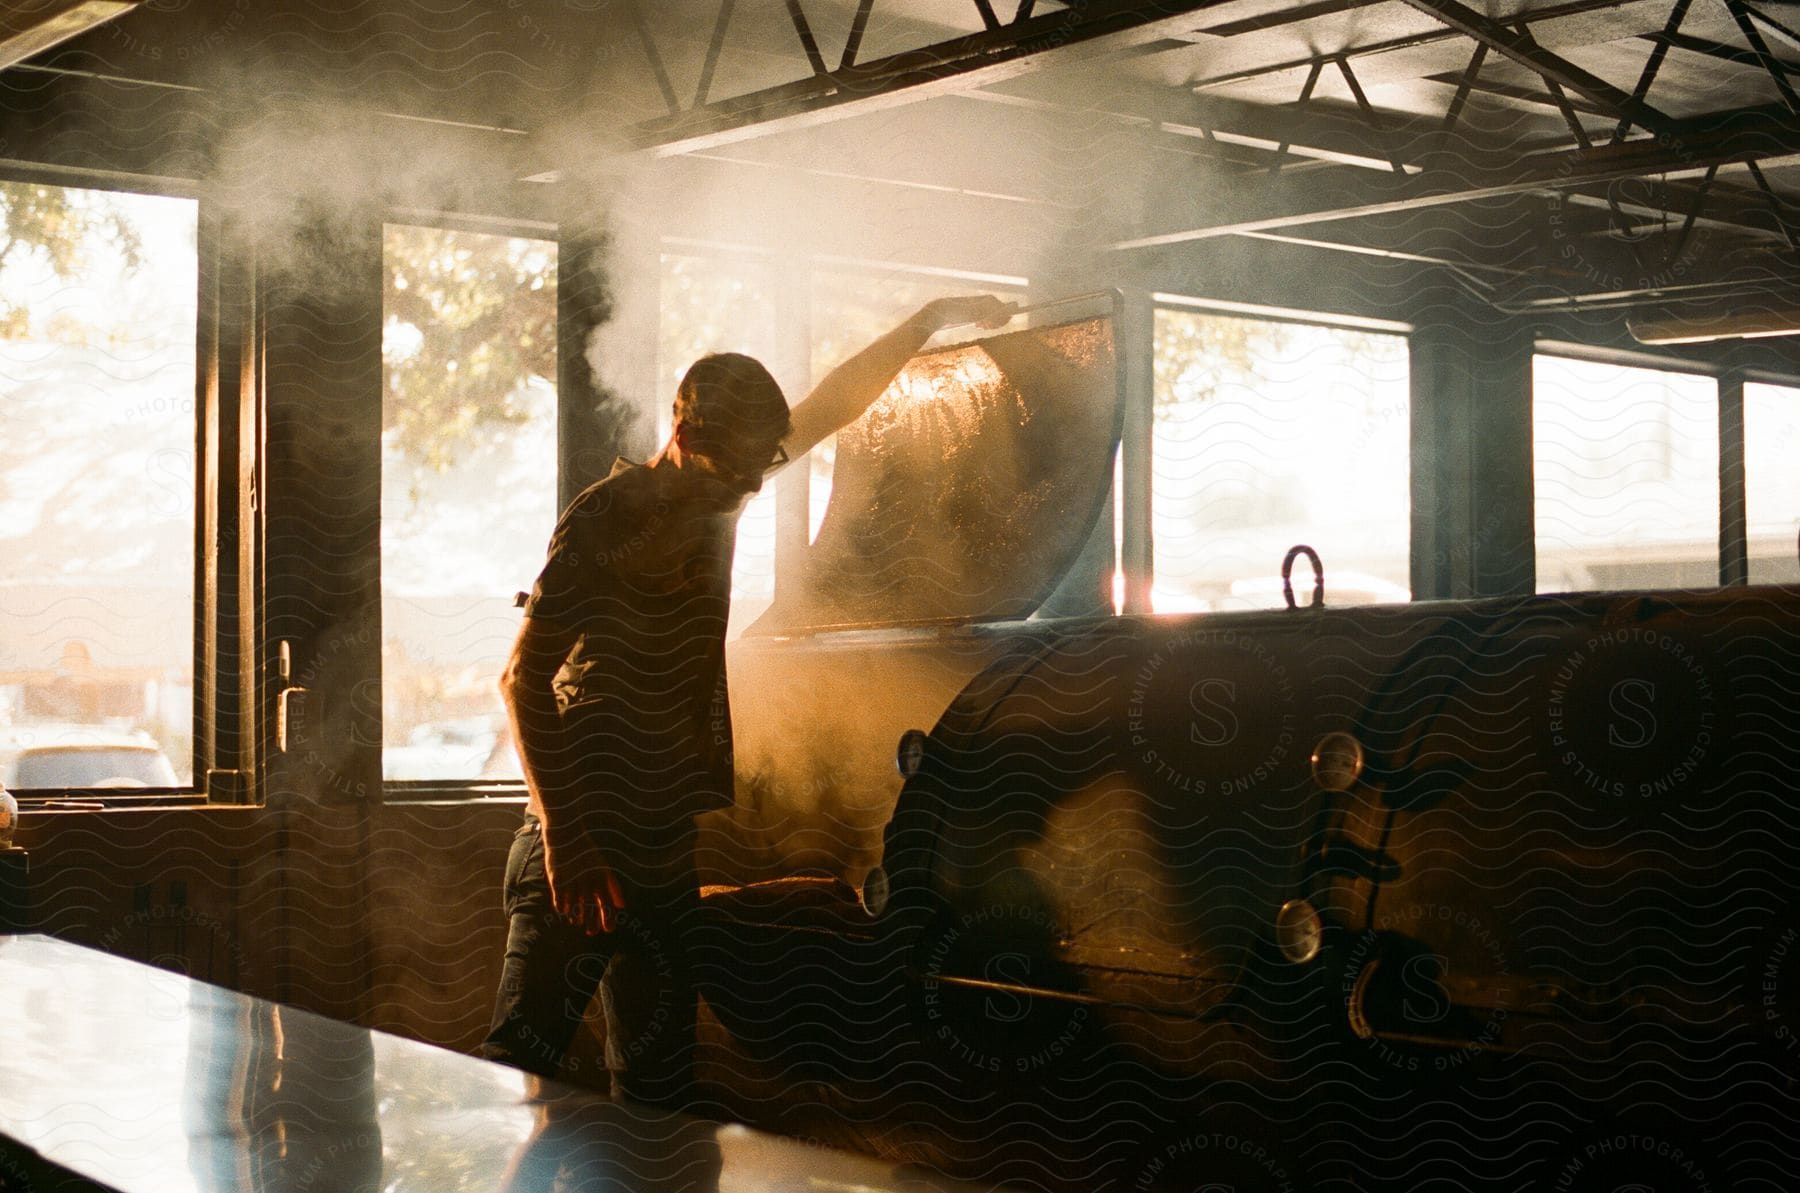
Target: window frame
457 791
1738 380
1728 388
1136 445
210 651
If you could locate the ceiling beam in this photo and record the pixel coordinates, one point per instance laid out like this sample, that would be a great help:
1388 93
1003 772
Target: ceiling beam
1083 31
1318 132
1717 284
1755 135
30 29
1521 47
1546 16
1522 95
1743 213
1358 246
67 126
1741 55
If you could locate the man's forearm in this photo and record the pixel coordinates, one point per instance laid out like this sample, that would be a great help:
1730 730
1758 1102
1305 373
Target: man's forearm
853 386
545 756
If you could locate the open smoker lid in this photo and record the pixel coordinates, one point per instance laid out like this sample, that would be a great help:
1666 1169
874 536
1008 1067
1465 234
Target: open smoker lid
968 489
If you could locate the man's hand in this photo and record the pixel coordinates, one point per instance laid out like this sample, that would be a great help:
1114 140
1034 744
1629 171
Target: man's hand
984 309
583 888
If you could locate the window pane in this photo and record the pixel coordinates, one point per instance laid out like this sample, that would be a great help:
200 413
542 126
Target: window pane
1271 434
723 305
1772 482
97 476
1627 477
468 487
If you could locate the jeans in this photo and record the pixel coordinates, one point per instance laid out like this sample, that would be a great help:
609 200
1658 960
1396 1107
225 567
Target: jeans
552 967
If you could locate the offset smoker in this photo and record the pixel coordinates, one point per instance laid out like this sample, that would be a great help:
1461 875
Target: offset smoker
1501 894
1496 857
1506 825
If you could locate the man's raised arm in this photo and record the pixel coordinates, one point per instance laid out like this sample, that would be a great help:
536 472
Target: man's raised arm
853 386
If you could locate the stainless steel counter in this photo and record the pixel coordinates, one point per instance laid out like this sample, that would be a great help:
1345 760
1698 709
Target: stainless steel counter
145 1080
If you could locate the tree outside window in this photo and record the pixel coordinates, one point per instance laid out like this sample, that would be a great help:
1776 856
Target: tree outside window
468 492
1268 435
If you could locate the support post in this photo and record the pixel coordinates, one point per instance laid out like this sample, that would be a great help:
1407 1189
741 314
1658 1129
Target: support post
1137 344
1472 490
224 738
1734 545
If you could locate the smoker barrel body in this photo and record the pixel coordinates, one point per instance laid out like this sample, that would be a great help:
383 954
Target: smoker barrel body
1563 876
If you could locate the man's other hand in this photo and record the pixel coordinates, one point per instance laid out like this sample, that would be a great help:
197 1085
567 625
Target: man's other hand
583 888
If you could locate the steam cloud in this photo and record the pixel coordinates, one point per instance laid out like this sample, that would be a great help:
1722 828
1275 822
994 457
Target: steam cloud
306 172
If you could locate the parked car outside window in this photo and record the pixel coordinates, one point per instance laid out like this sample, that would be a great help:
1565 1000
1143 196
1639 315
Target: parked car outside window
67 757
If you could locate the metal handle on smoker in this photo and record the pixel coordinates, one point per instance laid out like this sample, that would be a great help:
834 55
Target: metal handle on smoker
1046 305
1287 576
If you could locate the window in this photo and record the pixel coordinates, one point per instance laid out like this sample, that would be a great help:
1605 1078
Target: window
1772 482
1269 434
1627 476
468 487
98 437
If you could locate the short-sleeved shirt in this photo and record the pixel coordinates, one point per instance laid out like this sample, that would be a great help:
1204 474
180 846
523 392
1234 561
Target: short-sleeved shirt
646 584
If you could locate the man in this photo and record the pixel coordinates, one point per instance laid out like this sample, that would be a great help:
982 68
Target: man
615 689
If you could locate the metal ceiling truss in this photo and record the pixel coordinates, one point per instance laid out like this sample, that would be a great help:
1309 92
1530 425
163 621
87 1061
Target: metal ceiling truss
1233 131
1560 75
1372 121
1024 42
1744 216
1561 78
1746 18
1306 90
1230 129
1735 284
1647 76
1582 141
1698 147
1572 8
1524 20
1368 113
1711 49
1518 45
1464 85
1787 31
1776 207
1653 248
1692 146
1634 108
1550 96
